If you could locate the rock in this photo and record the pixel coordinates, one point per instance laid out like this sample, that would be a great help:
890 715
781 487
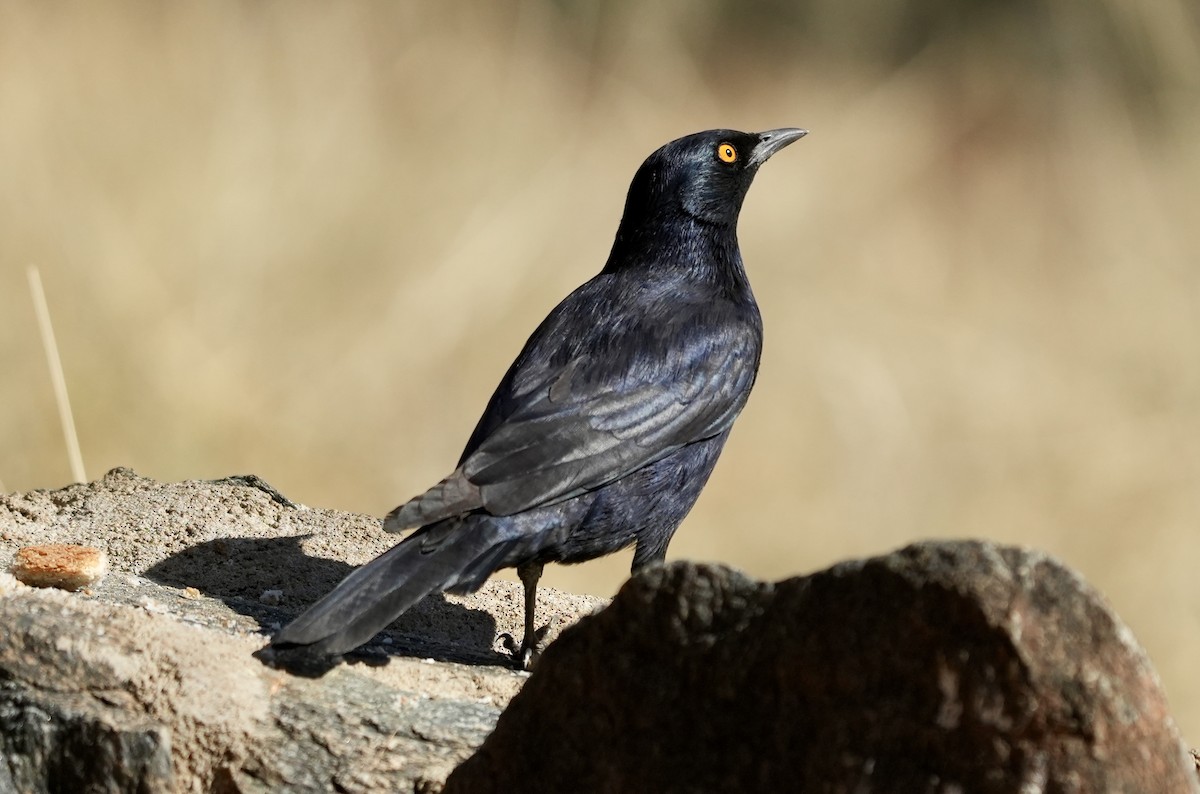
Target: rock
944 667
101 695
146 681
64 565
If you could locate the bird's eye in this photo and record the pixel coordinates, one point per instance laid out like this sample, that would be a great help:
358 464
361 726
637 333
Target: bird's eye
726 153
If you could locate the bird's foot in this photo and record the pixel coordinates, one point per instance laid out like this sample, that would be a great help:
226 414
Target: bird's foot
525 655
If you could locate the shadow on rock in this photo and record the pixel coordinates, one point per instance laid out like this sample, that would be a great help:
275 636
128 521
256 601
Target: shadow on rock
244 572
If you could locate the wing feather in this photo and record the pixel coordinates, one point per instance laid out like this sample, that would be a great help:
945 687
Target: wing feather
557 446
579 410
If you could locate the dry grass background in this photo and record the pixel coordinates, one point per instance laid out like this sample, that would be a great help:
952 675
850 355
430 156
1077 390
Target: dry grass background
304 240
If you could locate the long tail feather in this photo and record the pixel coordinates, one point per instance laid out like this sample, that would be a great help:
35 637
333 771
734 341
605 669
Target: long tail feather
375 594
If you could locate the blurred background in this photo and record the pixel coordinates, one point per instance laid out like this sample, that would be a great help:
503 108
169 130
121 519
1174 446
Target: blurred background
305 240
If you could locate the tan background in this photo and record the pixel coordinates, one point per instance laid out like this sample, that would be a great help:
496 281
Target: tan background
304 240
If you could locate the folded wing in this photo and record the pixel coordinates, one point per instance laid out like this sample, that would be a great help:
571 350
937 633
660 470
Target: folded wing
595 420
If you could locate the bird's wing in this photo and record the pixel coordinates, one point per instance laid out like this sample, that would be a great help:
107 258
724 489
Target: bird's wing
611 409
582 431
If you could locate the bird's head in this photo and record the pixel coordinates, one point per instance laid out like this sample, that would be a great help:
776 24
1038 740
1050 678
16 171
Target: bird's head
704 176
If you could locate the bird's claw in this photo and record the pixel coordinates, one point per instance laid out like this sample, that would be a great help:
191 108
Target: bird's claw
528 652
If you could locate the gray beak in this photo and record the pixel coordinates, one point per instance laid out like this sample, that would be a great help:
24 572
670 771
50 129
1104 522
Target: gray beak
772 141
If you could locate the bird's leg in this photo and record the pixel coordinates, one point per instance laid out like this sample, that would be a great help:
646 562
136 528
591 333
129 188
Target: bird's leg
527 654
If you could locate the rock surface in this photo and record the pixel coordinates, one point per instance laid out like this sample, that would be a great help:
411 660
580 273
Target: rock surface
146 682
944 667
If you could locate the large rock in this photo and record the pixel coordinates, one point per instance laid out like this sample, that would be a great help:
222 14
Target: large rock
104 697
945 667
146 681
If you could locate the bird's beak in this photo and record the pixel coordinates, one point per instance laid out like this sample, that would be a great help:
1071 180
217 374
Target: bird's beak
772 141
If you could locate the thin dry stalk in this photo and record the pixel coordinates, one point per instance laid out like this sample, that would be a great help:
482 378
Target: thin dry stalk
56 373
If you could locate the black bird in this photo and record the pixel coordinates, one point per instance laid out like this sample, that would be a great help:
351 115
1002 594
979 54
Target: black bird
606 427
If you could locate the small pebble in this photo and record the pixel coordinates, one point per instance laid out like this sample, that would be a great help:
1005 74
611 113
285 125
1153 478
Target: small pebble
63 565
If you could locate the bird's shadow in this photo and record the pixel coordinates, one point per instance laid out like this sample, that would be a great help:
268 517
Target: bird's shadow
242 572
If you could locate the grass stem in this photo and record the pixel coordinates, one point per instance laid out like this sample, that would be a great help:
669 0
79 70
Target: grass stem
56 373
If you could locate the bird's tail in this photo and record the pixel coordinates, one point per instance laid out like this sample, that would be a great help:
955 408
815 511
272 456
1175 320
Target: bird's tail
431 560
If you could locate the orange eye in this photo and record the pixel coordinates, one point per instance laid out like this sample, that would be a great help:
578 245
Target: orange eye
726 153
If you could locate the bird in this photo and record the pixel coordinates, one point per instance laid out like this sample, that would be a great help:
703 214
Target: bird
606 427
